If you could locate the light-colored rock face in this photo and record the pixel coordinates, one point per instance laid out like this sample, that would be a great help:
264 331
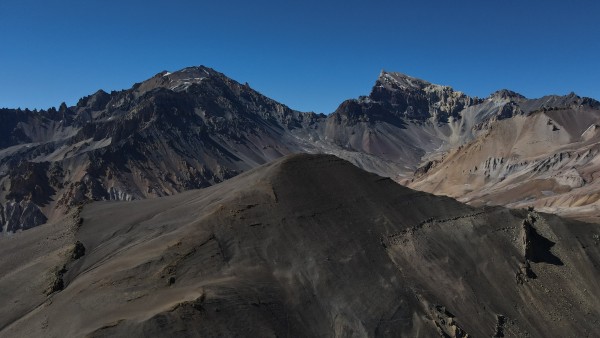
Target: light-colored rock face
547 159
415 99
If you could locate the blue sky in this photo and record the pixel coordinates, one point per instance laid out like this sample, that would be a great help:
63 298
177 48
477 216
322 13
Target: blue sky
310 55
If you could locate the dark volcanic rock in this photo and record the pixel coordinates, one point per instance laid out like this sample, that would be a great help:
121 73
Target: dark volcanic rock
2 219
78 250
11 121
28 180
95 102
22 216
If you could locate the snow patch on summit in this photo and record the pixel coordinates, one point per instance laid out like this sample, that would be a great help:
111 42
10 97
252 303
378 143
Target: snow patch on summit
184 84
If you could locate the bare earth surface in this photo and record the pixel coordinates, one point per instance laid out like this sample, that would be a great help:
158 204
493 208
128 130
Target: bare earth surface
305 246
548 159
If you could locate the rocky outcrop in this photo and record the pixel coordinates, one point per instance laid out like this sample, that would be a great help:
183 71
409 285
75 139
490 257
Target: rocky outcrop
507 95
500 322
58 282
535 249
11 122
94 102
28 180
78 251
509 110
22 216
422 170
446 324
2 219
525 273
398 97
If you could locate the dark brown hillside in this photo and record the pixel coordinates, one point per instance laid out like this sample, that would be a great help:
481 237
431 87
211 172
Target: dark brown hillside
310 245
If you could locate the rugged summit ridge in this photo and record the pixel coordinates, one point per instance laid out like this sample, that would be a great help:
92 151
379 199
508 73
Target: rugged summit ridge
177 81
506 94
400 97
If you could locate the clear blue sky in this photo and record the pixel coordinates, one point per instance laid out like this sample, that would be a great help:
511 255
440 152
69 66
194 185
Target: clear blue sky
310 55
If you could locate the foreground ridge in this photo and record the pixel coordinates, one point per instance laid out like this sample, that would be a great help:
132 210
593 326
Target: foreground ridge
308 245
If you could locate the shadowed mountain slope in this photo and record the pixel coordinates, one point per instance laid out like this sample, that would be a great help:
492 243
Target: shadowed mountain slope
307 245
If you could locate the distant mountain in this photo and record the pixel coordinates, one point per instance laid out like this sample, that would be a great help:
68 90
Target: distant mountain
502 150
171 133
541 153
305 246
402 120
196 127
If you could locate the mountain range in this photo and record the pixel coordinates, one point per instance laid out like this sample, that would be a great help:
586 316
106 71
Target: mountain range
196 127
192 205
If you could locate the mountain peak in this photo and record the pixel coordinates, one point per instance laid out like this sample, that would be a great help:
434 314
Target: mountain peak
400 80
177 81
197 71
504 94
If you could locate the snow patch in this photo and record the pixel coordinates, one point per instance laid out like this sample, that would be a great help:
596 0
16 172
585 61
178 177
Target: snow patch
184 84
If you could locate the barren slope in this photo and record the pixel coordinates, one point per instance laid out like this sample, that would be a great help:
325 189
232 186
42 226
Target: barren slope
310 245
547 159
